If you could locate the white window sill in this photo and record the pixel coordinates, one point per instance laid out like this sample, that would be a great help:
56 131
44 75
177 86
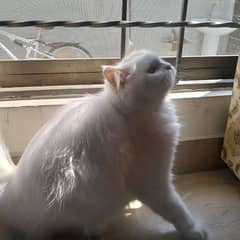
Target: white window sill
60 101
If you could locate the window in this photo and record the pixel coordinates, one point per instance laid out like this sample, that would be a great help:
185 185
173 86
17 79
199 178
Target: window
212 41
66 61
61 42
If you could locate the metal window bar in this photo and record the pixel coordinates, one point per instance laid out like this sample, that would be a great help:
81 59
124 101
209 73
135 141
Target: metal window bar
126 24
181 38
123 31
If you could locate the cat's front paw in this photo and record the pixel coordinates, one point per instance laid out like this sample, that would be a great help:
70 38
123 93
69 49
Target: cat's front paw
195 233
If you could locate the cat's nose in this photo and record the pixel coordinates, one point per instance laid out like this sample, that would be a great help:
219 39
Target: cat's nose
165 65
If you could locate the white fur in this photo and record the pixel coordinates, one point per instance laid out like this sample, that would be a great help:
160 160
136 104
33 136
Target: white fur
97 154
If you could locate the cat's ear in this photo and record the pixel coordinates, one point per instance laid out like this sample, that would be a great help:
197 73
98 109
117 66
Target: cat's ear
116 76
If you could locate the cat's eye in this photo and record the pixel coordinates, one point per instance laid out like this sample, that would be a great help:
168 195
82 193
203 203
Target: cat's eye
153 67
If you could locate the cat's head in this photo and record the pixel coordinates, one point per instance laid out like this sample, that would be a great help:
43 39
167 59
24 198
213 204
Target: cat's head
141 77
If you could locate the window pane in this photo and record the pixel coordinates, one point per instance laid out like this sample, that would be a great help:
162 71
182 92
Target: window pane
212 41
60 42
162 40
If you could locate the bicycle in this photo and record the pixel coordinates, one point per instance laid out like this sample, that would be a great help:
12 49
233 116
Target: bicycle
51 51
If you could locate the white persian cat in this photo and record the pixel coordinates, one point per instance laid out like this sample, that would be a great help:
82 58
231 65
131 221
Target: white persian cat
100 152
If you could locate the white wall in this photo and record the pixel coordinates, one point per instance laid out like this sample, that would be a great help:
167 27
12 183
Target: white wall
202 115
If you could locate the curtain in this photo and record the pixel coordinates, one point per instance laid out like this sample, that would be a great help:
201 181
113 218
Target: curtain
231 146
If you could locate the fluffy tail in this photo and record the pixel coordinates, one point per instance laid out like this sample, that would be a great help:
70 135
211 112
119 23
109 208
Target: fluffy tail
6 164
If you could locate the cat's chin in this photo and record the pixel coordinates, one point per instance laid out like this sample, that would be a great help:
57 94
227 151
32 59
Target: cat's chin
172 77
169 80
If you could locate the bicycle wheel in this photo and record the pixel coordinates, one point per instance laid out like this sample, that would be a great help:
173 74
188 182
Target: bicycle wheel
68 50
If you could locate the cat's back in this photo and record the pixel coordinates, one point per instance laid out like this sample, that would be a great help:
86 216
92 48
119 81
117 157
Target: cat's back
78 137
69 121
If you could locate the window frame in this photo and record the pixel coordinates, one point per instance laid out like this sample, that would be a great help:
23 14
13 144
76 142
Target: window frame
73 77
